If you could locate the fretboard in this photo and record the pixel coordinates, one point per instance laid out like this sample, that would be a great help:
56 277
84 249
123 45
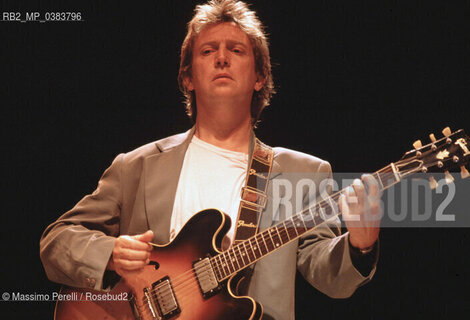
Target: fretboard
247 252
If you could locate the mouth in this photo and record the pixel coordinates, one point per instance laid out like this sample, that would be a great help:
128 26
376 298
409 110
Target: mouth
222 76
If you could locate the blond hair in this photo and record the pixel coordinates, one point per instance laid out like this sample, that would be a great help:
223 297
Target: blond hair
217 11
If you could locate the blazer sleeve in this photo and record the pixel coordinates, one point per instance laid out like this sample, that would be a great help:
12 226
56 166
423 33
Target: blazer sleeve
76 248
324 260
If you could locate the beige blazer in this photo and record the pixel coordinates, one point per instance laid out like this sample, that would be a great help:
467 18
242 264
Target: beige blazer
136 193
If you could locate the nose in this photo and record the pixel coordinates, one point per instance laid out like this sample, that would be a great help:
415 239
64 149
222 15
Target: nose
222 59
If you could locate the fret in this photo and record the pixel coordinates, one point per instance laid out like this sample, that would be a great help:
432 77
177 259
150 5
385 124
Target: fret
256 247
253 249
265 251
224 266
229 260
220 266
215 267
308 219
242 254
313 214
286 231
321 215
248 252
301 217
279 235
233 257
275 237
231 269
291 230
227 264
299 225
333 207
269 240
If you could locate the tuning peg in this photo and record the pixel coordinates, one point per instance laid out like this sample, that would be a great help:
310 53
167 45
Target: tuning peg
432 137
432 183
464 172
446 131
417 144
449 178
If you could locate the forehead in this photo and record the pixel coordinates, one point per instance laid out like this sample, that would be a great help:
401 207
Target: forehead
220 32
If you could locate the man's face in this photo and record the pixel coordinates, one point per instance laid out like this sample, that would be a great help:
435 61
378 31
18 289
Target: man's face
223 65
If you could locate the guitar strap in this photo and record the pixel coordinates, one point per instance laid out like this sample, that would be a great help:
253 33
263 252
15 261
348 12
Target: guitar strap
253 194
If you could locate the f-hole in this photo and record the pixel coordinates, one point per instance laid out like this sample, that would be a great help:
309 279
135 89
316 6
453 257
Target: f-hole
154 263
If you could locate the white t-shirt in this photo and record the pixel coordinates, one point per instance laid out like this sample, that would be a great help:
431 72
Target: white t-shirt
211 177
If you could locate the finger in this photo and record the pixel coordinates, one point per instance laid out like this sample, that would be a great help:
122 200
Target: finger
345 210
144 237
131 243
351 197
343 205
372 185
358 187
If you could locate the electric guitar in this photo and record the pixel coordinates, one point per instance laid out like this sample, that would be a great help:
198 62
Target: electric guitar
191 278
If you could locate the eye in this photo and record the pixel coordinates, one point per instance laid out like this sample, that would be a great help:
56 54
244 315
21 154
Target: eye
238 50
207 51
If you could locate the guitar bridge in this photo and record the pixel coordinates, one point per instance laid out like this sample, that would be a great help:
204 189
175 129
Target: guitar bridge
206 278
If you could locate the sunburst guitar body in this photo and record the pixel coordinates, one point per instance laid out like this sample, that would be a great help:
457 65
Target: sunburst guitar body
179 283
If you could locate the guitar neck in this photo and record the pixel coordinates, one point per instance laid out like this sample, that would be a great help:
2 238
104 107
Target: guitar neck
247 252
438 156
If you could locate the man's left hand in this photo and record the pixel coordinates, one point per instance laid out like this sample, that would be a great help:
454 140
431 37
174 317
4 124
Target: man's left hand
361 208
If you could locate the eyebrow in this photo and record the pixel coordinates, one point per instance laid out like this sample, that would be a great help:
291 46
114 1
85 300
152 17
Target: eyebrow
215 43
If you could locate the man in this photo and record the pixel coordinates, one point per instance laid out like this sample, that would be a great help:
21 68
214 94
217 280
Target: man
148 194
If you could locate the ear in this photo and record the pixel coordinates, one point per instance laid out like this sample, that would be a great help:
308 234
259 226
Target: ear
260 81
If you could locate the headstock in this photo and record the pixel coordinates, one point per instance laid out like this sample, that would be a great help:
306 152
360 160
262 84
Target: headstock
449 152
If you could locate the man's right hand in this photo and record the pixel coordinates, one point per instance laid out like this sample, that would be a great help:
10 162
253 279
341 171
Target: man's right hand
131 254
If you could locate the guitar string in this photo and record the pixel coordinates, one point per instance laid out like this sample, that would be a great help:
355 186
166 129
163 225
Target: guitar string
236 257
239 257
259 240
283 235
183 291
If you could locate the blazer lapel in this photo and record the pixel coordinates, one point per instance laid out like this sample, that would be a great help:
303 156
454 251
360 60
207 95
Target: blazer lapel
162 172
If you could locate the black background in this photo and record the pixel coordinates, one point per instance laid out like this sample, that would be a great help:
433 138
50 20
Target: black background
357 82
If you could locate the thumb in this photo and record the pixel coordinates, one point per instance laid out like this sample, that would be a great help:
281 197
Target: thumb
145 237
